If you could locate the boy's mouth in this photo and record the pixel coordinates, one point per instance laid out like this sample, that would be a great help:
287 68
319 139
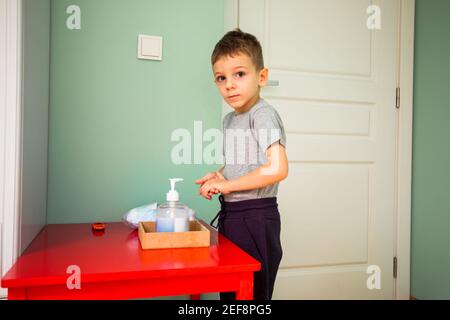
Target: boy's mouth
233 97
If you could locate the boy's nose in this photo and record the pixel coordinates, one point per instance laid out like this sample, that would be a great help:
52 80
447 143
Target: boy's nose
229 84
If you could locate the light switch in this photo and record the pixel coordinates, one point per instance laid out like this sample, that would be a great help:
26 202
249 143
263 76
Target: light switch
150 47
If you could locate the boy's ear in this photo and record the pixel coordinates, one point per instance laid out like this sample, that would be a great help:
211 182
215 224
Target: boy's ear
263 77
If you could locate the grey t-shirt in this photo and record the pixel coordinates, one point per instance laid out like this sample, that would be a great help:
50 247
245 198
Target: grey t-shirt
245 141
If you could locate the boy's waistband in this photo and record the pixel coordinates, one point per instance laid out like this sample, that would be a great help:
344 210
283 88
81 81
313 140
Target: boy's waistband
251 207
248 204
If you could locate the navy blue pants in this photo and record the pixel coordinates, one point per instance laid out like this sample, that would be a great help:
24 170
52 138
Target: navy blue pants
254 226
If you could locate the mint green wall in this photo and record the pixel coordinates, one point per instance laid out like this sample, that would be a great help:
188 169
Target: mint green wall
112 115
36 60
430 260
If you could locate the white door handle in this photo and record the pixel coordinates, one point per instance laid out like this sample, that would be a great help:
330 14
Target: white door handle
273 83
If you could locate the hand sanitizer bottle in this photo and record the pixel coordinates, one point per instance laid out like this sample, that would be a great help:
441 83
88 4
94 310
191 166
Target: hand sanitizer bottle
173 215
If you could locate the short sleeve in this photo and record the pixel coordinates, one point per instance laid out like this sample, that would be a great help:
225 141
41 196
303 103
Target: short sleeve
268 128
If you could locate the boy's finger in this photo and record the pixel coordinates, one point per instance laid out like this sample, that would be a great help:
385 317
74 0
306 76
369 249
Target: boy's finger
203 191
203 179
204 188
208 193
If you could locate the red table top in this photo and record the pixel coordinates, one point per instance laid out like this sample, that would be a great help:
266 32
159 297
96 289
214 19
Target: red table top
117 255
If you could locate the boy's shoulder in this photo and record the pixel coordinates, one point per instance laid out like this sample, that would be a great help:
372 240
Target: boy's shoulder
265 113
264 109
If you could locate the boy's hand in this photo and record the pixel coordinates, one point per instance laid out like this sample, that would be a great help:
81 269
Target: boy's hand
214 186
209 176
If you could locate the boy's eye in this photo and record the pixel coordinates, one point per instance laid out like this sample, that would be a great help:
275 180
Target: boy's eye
220 78
240 74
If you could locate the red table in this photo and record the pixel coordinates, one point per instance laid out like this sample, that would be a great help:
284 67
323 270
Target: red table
113 266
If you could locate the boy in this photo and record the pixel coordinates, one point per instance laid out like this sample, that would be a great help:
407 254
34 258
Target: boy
249 211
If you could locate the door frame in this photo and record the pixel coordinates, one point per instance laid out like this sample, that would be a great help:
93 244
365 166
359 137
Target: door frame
404 149
405 81
11 84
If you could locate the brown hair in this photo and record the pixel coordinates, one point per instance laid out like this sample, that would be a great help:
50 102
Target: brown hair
235 42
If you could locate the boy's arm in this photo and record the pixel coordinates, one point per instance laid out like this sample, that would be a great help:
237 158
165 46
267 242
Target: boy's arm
273 171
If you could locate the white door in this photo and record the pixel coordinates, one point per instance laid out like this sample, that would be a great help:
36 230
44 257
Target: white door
336 95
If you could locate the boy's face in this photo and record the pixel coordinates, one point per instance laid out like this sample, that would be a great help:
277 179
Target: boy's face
238 81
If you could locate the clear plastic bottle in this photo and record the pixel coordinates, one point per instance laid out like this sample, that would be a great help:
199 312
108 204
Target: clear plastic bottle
172 216
191 213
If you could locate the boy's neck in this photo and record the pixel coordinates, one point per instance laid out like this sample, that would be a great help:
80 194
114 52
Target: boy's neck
251 103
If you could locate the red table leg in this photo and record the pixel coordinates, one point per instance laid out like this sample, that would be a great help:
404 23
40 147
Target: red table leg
195 296
17 294
245 291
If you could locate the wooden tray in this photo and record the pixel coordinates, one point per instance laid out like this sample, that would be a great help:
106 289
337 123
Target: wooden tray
197 236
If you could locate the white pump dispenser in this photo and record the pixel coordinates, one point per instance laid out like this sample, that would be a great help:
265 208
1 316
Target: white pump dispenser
172 195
